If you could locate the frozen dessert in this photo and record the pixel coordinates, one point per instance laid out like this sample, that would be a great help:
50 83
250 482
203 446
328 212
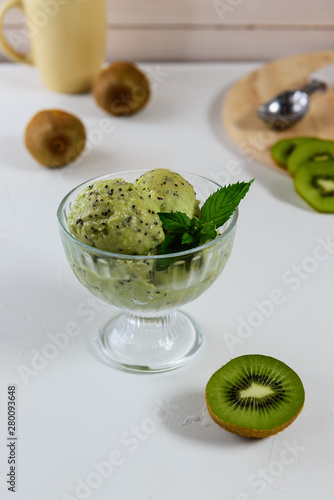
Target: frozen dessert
162 267
115 216
122 217
170 190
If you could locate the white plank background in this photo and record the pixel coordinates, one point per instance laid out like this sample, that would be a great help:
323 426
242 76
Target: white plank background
212 30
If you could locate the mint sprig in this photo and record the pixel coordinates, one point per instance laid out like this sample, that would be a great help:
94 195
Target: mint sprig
184 233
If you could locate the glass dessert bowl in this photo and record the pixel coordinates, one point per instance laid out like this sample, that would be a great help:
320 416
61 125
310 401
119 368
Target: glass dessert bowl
150 334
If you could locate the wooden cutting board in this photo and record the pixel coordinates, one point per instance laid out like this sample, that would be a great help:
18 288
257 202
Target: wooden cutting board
243 98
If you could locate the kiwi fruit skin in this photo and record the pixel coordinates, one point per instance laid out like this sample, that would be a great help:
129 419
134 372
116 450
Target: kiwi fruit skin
248 432
316 150
121 89
224 379
282 149
54 137
308 179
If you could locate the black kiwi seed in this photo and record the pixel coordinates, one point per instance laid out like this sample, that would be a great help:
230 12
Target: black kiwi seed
254 396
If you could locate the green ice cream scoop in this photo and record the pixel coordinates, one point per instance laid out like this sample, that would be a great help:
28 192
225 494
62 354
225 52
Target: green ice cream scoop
115 216
170 190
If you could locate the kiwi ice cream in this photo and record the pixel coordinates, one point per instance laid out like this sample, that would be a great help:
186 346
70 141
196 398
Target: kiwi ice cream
115 216
122 217
170 190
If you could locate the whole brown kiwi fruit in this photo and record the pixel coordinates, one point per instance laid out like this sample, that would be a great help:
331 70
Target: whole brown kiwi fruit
54 137
121 89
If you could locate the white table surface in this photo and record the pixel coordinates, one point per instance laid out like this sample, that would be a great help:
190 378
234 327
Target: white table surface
88 430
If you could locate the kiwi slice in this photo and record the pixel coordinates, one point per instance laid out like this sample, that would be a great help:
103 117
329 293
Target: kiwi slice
54 137
282 149
314 182
254 396
316 150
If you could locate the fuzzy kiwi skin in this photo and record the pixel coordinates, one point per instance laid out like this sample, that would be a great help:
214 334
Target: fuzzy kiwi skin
121 89
247 431
54 137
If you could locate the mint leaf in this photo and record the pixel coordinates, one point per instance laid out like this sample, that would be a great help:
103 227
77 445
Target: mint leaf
208 232
175 222
163 264
219 207
171 244
188 238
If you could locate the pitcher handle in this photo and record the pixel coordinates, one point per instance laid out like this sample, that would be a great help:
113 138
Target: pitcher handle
7 48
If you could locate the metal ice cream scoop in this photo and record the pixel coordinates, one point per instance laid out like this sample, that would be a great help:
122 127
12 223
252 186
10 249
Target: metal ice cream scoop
285 109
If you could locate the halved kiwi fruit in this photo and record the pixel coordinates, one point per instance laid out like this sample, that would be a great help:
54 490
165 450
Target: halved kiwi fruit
54 137
316 151
314 182
282 149
121 89
254 396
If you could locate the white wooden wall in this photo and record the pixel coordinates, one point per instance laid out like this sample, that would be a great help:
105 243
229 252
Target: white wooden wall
212 30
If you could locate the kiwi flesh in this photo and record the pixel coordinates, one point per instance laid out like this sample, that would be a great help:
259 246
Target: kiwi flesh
316 151
255 396
121 89
314 182
54 137
282 149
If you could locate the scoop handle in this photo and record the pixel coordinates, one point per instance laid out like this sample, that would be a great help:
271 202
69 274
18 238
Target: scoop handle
324 74
313 86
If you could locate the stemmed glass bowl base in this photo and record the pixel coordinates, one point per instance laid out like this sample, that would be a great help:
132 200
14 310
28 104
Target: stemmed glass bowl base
150 344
